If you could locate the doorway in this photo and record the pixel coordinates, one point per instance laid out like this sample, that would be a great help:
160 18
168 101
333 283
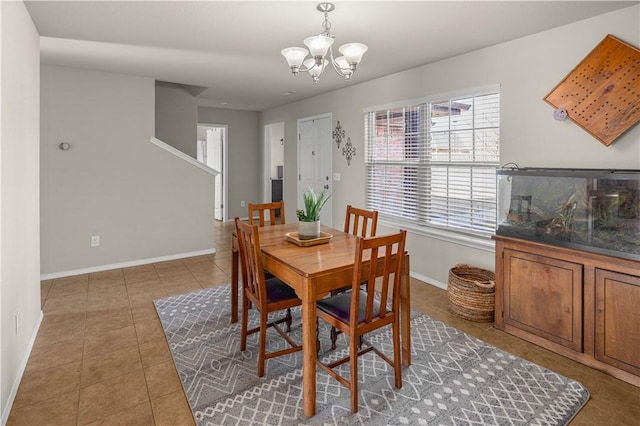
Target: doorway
315 166
273 162
211 151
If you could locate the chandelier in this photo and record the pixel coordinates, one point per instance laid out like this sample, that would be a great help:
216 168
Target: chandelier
321 53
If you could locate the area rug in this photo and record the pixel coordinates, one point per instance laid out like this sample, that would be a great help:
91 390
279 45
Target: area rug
454 378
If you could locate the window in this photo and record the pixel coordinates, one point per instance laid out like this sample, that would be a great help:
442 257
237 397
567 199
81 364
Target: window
433 162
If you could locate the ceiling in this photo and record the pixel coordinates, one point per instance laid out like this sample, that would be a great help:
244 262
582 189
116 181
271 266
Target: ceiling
227 53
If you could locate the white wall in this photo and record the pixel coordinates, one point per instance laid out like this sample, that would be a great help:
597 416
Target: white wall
527 69
176 117
19 189
243 158
142 201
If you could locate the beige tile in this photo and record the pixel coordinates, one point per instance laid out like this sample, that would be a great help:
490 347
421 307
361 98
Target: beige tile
59 410
108 319
110 292
46 354
155 352
149 330
139 287
101 284
148 296
162 379
73 303
110 365
112 396
108 304
110 275
139 273
62 326
144 312
212 280
41 385
177 277
100 342
60 289
172 409
184 287
136 416
197 262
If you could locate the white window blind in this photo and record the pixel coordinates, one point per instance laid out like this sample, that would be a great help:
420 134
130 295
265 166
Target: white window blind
433 163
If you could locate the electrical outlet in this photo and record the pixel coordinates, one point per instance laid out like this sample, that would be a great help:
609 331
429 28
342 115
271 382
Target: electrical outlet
95 240
243 204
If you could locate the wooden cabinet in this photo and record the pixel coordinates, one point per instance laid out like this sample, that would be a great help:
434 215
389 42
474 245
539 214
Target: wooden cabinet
583 305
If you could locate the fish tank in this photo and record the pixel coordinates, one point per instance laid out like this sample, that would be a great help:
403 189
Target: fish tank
594 210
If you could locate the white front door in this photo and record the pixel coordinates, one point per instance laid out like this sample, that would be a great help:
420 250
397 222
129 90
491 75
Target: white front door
315 161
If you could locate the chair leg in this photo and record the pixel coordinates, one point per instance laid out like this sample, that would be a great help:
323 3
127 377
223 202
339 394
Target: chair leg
317 336
262 344
397 362
288 321
334 337
353 363
244 323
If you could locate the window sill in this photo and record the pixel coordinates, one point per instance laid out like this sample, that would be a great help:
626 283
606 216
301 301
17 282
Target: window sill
476 242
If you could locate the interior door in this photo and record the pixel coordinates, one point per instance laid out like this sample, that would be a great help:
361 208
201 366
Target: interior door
315 161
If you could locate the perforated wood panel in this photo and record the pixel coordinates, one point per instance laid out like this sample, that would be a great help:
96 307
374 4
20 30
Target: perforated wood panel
602 93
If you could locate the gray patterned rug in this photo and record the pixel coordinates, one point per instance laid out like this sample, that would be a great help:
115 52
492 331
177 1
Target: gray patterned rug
454 378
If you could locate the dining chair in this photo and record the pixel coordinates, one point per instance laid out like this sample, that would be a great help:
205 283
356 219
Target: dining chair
272 210
359 311
266 295
357 222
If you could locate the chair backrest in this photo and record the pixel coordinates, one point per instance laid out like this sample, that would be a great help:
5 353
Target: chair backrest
253 279
389 252
270 208
359 221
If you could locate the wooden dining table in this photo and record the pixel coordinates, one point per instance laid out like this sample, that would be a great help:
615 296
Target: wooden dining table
313 271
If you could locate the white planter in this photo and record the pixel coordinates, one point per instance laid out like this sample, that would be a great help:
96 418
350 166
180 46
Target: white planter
308 230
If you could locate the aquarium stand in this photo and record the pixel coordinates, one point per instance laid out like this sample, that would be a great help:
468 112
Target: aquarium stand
576 303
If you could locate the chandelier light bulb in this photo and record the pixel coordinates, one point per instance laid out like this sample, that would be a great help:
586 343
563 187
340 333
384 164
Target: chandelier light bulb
342 63
318 45
295 56
353 52
315 70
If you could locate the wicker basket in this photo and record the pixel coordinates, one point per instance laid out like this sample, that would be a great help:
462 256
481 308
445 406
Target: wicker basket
470 293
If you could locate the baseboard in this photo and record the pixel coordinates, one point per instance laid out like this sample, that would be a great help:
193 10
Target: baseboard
23 365
428 280
127 264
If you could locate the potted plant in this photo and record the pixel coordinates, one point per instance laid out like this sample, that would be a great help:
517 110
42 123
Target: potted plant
309 218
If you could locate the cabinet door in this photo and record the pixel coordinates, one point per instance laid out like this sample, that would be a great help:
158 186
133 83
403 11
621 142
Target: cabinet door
543 296
618 320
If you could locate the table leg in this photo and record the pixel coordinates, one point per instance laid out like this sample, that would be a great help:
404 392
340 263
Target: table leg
234 283
309 324
405 312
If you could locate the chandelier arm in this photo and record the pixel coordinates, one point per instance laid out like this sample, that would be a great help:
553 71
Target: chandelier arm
337 68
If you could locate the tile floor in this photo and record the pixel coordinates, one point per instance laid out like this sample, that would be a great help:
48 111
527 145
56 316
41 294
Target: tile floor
100 357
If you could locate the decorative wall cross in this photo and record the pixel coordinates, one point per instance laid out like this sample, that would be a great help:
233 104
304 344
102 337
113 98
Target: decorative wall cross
338 134
349 151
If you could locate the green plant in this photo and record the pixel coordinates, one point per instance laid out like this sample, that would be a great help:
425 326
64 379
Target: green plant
313 204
